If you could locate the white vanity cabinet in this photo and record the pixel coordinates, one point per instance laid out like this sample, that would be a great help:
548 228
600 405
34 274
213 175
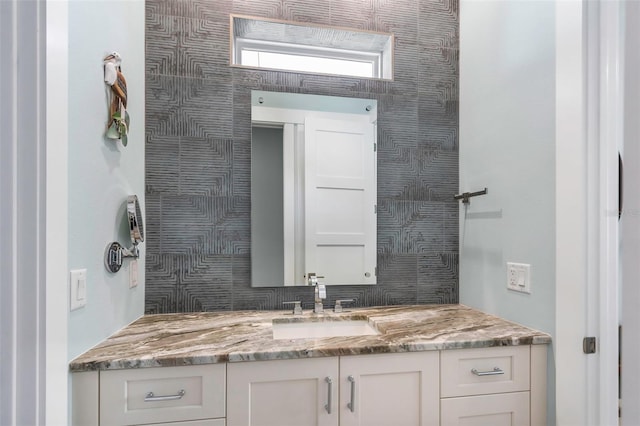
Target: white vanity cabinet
488 386
502 386
360 390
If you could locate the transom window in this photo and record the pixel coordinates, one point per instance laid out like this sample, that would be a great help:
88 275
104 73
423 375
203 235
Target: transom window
288 46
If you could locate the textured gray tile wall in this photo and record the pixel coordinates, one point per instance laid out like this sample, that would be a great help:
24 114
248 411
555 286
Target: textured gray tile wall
198 152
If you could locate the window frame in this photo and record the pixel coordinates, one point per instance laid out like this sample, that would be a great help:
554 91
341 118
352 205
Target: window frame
292 49
381 61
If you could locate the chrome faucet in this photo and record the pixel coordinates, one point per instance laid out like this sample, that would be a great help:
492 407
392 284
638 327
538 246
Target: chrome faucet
320 292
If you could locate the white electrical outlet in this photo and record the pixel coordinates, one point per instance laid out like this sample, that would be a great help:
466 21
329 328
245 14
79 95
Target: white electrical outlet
133 273
78 288
519 277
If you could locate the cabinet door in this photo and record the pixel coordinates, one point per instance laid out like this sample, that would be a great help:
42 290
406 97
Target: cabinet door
506 409
390 389
297 392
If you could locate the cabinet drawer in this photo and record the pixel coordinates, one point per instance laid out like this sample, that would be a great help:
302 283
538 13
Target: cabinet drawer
484 371
208 422
125 397
509 409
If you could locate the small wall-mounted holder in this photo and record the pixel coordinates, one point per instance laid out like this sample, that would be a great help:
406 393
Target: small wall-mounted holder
116 252
118 126
466 195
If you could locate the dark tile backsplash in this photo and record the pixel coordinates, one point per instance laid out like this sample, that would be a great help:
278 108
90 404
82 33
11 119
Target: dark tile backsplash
198 152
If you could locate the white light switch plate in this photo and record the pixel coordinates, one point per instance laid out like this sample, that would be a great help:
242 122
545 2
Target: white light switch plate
519 277
78 288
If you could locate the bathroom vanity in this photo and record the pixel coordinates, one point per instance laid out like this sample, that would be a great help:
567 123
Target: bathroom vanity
403 365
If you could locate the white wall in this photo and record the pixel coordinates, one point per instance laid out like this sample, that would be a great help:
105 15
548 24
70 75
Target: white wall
507 144
103 173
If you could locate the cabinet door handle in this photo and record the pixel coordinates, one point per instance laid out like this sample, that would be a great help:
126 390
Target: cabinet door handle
150 397
494 372
327 406
352 405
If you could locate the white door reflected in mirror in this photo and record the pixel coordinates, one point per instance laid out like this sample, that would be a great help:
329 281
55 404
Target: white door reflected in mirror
313 189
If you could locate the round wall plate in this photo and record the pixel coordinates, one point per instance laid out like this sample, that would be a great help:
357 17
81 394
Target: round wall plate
113 257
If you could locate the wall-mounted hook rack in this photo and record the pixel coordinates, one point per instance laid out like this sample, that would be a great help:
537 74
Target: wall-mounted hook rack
466 195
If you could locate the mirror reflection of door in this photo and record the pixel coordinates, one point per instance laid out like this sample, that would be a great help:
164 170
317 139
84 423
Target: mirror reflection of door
340 198
313 187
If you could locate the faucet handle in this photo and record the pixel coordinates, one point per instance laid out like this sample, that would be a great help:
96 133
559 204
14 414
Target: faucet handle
338 308
312 278
297 308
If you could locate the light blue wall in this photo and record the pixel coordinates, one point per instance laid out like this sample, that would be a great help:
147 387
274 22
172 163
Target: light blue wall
507 144
101 173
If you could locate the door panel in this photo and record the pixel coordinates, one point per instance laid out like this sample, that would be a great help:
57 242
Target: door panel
282 393
390 389
340 198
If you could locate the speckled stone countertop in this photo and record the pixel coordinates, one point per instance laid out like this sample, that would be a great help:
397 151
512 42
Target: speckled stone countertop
205 338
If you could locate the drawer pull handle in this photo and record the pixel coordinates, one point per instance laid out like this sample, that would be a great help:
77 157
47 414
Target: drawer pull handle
494 372
352 405
329 396
152 398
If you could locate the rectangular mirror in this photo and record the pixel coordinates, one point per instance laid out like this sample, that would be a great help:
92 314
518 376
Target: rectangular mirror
313 189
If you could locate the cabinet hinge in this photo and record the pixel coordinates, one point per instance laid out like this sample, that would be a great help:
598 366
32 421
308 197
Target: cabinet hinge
375 209
589 345
375 147
375 271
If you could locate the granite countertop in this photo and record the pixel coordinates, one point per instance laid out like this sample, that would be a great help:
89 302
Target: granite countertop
206 337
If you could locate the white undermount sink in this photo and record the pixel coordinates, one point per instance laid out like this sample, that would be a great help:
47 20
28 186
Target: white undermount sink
319 329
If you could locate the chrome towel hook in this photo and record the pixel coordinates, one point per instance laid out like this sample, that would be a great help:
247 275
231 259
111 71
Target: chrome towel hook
466 195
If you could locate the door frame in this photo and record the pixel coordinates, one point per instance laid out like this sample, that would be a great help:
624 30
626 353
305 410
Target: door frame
630 222
33 212
33 208
571 220
588 131
56 310
610 113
